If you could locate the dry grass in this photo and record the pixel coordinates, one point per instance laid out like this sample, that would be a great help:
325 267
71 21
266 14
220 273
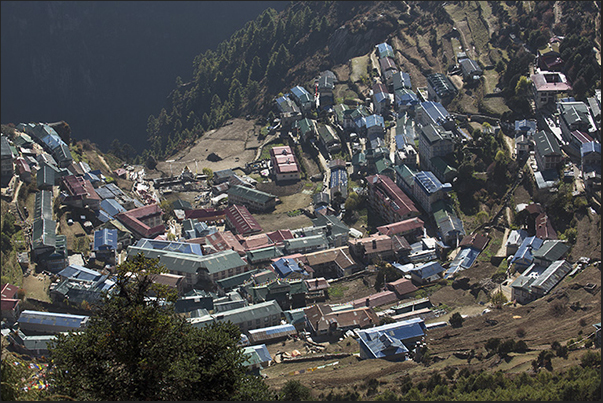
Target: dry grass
359 67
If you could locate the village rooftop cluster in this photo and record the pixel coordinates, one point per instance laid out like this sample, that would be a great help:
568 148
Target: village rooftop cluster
275 285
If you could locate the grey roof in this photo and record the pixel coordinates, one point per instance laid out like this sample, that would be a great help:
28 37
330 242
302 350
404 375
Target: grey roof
189 262
52 318
305 242
574 112
552 275
546 143
250 194
435 133
469 66
236 280
241 315
5 151
441 85
271 332
78 272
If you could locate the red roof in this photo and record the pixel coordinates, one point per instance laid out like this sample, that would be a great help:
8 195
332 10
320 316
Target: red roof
544 227
374 243
21 165
378 299
256 242
402 227
476 241
91 193
550 81
317 284
241 219
581 136
133 219
401 286
283 159
9 291
73 185
534 208
8 304
391 194
209 214
280 235
224 241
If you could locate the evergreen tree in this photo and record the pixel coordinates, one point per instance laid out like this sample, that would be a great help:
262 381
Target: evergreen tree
136 348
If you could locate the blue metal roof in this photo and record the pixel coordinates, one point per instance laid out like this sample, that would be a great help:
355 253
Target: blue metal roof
428 182
395 335
525 125
75 271
339 177
400 142
381 97
105 239
261 350
52 141
103 216
590 147
113 188
436 111
286 266
428 269
112 207
463 260
91 177
374 120
406 268
384 50
301 93
524 252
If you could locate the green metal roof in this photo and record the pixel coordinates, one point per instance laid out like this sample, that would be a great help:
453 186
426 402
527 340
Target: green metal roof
442 166
546 143
551 250
44 233
250 194
43 204
191 263
258 255
237 279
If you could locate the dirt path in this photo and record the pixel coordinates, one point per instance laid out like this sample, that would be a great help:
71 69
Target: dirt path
102 160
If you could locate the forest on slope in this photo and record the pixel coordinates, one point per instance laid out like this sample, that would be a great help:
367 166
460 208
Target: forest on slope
277 51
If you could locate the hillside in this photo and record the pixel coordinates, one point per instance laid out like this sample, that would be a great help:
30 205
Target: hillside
222 119
277 51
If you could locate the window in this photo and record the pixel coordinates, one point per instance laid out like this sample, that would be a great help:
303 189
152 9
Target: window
257 322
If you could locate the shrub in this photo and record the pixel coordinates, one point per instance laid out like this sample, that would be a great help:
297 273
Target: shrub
591 359
520 332
456 320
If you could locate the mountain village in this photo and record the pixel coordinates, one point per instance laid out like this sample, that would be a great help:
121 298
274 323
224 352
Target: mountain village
275 284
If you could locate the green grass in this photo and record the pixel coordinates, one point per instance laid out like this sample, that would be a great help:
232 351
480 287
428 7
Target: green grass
337 290
266 150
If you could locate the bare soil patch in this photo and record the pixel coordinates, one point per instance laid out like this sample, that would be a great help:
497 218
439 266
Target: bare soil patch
236 144
37 287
